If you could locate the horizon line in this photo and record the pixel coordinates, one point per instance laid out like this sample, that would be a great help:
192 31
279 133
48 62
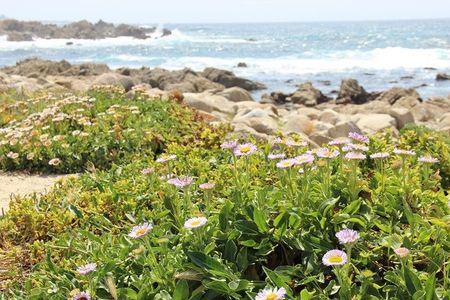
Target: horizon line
234 22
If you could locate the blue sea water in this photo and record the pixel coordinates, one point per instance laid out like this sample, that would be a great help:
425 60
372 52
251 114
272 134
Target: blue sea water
281 55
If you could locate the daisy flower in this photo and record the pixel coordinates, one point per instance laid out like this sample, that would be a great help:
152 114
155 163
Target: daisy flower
54 162
339 141
244 149
404 152
357 147
294 143
195 222
147 171
402 252
181 182
140 230
334 258
379 155
428 159
358 137
273 156
12 155
286 163
207 186
86 269
165 158
347 236
304 159
355 156
271 294
229 145
82 296
327 153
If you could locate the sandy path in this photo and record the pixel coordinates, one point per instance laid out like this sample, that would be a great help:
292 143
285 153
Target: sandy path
22 184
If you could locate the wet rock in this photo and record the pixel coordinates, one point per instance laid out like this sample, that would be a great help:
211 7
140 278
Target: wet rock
242 65
324 82
408 77
352 92
307 95
228 79
442 77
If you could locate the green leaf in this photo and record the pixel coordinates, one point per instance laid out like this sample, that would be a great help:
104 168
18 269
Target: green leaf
260 219
412 281
430 288
278 279
305 295
209 264
241 259
73 209
181 290
230 250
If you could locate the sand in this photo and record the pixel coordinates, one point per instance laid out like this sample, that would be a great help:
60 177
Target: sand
23 184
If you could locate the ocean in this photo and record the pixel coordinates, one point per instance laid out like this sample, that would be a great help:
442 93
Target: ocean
379 55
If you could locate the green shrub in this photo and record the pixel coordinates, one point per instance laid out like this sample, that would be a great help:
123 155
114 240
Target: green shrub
266 226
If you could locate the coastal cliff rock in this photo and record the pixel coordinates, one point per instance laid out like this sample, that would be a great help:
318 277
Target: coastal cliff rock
28 30
35 67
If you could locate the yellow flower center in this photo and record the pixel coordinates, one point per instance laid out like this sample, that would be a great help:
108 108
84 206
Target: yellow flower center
245 149
141 231
271 296
335 259
195 223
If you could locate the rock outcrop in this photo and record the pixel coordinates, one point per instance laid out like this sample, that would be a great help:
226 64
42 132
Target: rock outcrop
28 30
307 95
352 92
442 77
228 79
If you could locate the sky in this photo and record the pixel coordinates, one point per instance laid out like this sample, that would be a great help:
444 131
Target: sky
223 11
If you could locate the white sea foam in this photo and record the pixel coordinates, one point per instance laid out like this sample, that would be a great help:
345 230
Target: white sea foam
341 61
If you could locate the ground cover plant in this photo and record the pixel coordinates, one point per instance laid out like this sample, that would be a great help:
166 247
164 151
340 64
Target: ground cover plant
66 133
216 218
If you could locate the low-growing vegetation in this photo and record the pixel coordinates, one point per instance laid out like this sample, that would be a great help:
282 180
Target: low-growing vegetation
215 218
65 133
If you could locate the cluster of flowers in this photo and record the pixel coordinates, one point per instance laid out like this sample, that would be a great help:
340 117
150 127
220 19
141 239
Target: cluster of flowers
353 147
51 130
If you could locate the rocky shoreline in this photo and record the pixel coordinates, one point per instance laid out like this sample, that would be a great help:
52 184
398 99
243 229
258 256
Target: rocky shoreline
29 30
221 96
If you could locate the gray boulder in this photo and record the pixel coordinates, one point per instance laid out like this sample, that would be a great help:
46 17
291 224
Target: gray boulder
228 79
442 77
307 95
236 94
115 79
352 92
